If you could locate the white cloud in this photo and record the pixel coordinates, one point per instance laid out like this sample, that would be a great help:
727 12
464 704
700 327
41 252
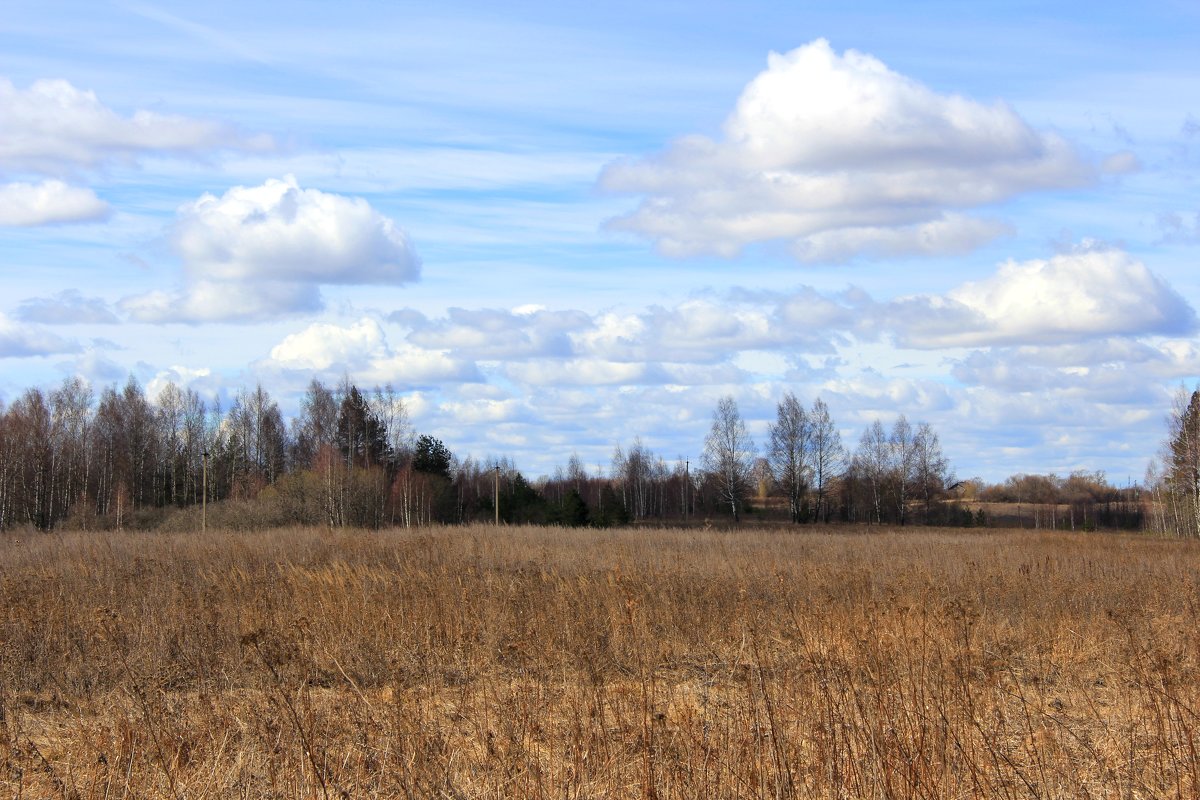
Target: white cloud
208 301
48 202
21 341
183 377
94 366
701 331
321 346
950 234
263 251
698 331
1115 371
411 366
1084 296
1075 296
838 156
68 307
362 351
482 411
495 333
279 231
873 395
53 128
582 372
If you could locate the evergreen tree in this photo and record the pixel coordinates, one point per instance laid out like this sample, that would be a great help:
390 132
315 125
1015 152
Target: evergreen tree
432 457
362 437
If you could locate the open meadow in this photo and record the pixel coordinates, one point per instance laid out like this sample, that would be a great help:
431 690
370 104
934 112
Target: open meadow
648 663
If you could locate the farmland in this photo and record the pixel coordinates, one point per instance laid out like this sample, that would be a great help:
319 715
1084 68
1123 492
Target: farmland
631 663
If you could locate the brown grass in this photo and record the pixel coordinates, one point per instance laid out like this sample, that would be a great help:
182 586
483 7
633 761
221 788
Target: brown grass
551 663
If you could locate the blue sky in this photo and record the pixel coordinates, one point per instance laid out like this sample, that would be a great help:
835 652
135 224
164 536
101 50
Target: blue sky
555 228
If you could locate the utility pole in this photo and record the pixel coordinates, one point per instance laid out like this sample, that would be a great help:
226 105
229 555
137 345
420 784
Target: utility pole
497 495
204 493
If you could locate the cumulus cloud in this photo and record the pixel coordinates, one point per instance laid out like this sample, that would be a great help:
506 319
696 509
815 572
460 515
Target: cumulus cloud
21 341
54 128
279 231
68 307
263 251
321 346
1089 293
48 202
362 350
837 155
180 376
57 130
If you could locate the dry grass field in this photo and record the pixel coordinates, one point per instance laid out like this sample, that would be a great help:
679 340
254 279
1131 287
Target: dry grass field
464 663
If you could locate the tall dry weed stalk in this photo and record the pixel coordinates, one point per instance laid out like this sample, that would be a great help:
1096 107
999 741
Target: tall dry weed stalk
581 664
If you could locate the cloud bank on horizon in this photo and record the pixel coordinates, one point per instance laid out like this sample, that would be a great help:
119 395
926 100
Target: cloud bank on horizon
1009 269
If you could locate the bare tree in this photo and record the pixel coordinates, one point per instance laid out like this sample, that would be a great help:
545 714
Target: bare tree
791 452
316 427
195 442
576 474
1182 463
903 459
872 463
931 470
391 411
71 406
729 455
168 413
828 455
258 435
636 473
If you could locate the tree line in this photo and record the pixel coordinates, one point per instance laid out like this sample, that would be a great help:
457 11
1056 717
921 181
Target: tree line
351 457
1173 479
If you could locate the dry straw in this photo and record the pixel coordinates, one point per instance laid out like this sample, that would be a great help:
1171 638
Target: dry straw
474 662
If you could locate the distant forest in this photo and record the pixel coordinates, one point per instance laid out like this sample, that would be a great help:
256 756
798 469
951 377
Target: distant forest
351 458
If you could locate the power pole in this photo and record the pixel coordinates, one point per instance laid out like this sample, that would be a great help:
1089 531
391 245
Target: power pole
497 495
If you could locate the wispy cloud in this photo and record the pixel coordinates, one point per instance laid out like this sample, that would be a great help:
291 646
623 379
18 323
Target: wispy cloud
68 307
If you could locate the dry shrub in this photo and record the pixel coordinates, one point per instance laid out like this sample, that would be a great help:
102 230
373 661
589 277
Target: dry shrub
527 662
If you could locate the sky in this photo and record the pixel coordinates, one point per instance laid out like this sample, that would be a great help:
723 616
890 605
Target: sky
555 227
